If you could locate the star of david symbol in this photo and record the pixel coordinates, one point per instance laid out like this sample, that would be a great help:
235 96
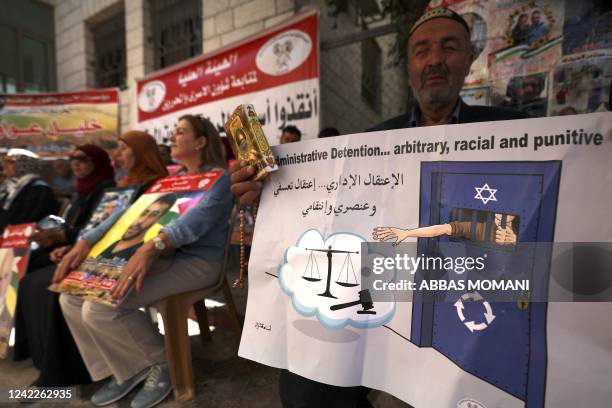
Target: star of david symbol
491 193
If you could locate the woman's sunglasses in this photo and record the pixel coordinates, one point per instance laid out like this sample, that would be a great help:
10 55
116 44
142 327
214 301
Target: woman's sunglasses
79 159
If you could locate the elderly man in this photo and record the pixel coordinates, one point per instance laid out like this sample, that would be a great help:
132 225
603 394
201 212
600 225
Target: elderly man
439 59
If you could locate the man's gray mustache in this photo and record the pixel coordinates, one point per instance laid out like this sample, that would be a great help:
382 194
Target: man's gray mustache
434 71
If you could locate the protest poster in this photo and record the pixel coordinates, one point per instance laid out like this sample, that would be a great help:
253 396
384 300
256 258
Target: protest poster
526 37
581 83
113 199
478 193
276 70
53 124
14 255
166 200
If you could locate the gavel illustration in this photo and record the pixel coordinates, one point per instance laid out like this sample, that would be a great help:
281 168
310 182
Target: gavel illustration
365 299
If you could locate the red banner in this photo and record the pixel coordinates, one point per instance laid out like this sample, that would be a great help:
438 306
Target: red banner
17 236
242 69
277 71
200 181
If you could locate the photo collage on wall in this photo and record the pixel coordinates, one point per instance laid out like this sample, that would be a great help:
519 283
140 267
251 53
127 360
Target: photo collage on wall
543 57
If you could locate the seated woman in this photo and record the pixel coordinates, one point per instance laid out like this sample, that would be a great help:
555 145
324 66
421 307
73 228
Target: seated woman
186 255
92 169
24 197
44 335
136 156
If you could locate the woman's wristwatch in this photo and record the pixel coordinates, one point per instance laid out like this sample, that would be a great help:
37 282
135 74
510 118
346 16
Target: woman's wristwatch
159 243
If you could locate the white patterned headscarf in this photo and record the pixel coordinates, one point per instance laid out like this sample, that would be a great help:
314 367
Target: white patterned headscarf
27 168
26 162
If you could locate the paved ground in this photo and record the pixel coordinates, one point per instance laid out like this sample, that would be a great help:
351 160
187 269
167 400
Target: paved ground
222 378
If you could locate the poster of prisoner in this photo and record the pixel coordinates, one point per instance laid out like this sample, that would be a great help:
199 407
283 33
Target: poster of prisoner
166 200
112 199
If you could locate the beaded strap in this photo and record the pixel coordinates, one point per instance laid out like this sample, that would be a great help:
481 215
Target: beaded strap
239 283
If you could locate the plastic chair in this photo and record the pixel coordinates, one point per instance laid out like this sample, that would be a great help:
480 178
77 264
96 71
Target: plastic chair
174 310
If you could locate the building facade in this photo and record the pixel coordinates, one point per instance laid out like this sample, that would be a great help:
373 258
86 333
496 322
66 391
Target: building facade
106 43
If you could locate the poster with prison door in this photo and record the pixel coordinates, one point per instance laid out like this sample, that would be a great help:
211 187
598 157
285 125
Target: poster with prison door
501 342
514 205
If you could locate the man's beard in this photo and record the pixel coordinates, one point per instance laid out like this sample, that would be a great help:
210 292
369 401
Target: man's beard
439 93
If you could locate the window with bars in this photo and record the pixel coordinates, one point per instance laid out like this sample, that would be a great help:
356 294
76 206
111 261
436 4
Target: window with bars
27 62
177 30
110 52
371 74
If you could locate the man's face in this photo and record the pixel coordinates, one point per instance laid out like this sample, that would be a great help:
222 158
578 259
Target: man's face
10 169
109 208
164 152
523 20
535 18
287 137
147 218
529 90
439 58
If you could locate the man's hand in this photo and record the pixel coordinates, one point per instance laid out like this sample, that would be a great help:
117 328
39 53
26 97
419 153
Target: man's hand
390 233
71 260
243 187
58 253
505 236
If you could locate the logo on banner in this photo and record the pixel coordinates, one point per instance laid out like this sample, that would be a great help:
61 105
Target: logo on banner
203 183
151 96
284 53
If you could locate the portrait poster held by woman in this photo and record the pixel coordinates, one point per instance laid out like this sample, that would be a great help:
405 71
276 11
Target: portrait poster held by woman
121 343
44 336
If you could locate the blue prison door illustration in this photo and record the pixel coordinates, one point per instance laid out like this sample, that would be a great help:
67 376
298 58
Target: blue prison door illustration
502 341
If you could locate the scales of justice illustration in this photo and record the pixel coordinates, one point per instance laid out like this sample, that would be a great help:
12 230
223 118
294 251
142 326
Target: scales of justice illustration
365 298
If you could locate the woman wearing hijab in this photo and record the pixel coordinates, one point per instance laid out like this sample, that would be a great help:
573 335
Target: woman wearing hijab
39 323
24 197
92 169
136 155
46 337
187 254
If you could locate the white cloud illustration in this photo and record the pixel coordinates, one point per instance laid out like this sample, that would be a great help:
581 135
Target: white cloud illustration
303 276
